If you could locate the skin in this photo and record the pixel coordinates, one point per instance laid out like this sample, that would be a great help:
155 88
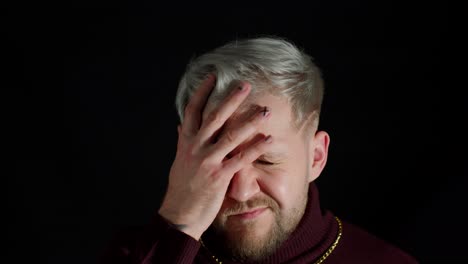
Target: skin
242 155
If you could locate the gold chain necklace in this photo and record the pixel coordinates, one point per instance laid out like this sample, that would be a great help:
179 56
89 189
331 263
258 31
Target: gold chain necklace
319 261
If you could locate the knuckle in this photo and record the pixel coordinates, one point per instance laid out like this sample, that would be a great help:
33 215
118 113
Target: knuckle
241 156
207 165
252 153
230 136
216 175
187 152
214 117
183 134
192 150
189 108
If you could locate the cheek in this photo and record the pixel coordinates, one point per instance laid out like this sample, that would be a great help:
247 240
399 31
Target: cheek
287 185
278 186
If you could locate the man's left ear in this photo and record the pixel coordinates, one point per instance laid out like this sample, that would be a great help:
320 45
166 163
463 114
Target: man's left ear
319 153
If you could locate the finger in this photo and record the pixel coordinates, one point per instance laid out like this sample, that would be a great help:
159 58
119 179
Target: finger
193 110
218 117
234 137
247 156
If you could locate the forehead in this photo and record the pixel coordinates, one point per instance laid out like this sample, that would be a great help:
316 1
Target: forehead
279 125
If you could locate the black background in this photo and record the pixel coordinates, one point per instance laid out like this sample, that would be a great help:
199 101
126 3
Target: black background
93 120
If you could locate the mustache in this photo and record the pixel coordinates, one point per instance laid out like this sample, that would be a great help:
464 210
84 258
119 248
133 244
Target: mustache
249 205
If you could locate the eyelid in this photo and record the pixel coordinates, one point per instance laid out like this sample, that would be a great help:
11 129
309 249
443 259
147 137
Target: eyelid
264 162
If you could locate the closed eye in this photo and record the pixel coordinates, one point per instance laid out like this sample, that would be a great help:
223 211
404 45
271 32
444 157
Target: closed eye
264 162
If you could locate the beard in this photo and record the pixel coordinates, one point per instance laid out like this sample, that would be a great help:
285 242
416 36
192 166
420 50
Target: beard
241 241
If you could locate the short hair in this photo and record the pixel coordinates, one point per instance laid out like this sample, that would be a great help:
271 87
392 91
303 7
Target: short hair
270 64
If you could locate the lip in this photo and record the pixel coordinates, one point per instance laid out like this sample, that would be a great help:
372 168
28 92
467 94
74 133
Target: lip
250 214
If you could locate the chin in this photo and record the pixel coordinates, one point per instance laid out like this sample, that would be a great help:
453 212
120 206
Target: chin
253 241
249 232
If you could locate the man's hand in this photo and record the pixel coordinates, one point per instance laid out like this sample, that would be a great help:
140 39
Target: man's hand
200 175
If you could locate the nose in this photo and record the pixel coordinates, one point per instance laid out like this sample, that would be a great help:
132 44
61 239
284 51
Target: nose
243 186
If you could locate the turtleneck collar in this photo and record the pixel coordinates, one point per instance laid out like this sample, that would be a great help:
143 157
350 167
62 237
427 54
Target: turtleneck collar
311 238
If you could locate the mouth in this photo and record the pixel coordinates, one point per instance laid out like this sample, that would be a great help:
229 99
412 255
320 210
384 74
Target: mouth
249 214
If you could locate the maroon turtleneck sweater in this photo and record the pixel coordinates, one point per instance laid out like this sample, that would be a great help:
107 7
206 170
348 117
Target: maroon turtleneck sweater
160 242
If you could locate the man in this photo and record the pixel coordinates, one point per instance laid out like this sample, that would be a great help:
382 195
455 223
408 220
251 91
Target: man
241 188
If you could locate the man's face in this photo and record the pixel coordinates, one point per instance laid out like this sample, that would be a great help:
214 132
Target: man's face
276 184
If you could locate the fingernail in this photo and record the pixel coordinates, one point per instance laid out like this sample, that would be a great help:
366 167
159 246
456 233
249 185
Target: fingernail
265 111
268 139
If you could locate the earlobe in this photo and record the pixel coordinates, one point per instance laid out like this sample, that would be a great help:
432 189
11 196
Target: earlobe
320 144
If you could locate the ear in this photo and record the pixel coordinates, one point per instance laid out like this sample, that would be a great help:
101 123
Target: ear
318 153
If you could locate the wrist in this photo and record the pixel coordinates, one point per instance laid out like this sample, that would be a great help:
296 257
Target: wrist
181 226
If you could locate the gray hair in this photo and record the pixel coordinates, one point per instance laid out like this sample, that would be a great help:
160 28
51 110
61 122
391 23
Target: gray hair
269 64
